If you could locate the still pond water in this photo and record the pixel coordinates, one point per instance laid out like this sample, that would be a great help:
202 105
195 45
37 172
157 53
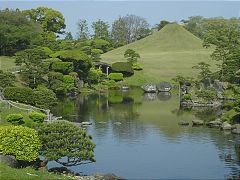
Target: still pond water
137 136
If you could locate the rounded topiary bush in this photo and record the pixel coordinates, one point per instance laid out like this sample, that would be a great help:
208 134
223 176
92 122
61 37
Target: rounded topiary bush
19 141
123 67
116 76
16 119
37 117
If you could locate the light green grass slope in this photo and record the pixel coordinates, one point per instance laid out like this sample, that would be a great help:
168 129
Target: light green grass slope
164 54
7 63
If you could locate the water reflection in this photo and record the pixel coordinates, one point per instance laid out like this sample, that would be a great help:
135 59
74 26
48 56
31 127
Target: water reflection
132 128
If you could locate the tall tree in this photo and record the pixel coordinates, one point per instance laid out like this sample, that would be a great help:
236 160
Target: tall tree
162 24
225 35
68 36
51 20
130 27
33 69
17 32
100 29
82 29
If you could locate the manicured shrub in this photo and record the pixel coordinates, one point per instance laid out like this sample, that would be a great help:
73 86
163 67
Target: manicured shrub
54 76
37 117
95 54
64 139
19 141
15 119
95 76
123 67
62 67
100 44
69 81
81 61
44 97
116 76
21 94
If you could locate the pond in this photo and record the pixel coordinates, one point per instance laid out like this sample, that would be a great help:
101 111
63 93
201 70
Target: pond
137 136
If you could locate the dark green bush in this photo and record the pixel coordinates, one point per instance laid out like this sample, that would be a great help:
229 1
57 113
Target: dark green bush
100 44
19 141
15 119
81 61
123 67
62 67
37 117
54 76
186 97
69 81
116 76
21 94
40 97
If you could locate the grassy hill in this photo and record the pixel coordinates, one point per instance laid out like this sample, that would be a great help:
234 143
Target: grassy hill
7 63
164 54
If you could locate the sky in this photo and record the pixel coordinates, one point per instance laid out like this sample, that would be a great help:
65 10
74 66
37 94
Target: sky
153 11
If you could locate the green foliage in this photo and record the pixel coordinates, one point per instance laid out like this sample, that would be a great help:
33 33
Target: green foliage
100 29
186 97
33 67
15 119
195 25
16 32
62 67
40 97
131 55
52 76
209 94
44 97
162 24
95 54
21 142
37 117
20 94
6 79
204 70
69 81
50 20
81 61
123 67
116 76
95 76
46 50
137 67
100 44
82 29
64 139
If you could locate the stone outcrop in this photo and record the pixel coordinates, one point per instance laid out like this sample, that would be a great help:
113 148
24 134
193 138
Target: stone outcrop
149 88
197 122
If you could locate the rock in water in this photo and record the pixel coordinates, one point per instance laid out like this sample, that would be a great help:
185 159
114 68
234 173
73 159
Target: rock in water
183 123
226 126
164 87
236 129
216 123
197 122
150 88
86 123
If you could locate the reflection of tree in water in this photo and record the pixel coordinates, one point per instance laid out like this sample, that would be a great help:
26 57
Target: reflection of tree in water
149 96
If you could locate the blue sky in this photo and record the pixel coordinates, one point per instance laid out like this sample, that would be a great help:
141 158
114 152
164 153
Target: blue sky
153 11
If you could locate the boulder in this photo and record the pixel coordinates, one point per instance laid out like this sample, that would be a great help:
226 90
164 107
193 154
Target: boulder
164 87
236 131
226 126
216 124
86 123
9 160
117 123
183 123
197 122
149 88
236 126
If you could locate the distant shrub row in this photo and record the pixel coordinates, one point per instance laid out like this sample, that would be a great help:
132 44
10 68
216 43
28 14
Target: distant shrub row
40 97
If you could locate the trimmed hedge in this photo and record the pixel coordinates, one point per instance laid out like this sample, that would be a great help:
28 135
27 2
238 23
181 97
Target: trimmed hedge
19 141
116 76
37 117
123 67
15 119
40 97
62 67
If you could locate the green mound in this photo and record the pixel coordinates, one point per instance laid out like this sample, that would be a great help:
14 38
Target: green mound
164 54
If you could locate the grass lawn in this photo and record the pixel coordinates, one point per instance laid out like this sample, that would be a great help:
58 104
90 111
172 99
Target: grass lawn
8 173
7 63
165 54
